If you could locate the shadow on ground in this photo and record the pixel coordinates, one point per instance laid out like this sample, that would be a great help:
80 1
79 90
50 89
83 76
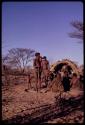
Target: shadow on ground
42 114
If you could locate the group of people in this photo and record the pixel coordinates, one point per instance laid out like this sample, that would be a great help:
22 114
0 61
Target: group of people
42 68
64 82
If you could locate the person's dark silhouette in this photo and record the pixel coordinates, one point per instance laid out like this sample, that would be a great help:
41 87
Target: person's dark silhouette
66 82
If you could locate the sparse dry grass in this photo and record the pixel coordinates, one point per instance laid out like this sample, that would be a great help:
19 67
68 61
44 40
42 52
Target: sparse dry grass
16 100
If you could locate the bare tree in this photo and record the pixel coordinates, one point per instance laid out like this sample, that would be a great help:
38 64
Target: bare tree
19 58
78 33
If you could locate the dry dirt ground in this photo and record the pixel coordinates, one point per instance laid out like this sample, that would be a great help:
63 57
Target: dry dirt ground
16 100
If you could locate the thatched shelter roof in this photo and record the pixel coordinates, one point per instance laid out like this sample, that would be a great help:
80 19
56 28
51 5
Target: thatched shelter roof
59 64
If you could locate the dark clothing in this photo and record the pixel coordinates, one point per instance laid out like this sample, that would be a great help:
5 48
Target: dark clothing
66 84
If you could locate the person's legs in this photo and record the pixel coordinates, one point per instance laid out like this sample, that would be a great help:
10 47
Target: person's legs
29 83
36 80
45 77
39 78
46 81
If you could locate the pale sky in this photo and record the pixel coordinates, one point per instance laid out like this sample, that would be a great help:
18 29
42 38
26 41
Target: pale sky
44 27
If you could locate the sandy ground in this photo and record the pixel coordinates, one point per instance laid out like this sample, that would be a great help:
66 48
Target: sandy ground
16 100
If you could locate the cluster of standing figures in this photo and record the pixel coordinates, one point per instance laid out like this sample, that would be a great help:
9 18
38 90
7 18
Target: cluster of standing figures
42 68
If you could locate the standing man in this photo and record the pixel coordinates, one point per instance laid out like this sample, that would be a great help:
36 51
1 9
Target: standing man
45 69
37 69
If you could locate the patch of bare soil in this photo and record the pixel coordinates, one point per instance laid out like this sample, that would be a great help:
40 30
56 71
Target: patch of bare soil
17 102
16 99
